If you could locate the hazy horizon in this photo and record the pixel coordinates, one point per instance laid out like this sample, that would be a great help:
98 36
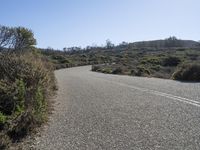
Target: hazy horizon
81 23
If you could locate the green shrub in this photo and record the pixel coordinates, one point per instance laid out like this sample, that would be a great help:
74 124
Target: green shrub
151 60
189 72
40 105
106 70
171 61
26 80
20 104
2 120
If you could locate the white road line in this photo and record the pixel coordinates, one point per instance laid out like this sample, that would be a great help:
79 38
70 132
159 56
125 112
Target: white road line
154 92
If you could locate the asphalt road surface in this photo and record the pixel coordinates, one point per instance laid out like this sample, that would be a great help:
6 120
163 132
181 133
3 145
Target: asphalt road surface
101 111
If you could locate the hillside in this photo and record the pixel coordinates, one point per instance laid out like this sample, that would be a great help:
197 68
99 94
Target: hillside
167 43
159 58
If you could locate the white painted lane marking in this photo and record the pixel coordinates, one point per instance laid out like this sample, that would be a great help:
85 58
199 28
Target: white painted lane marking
154 92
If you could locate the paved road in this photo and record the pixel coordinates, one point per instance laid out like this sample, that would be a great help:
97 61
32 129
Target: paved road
98 111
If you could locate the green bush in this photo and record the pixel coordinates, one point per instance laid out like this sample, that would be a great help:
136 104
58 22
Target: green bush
106 70
189 72
20 104
40 104
2 120
26 80
171 61
151 60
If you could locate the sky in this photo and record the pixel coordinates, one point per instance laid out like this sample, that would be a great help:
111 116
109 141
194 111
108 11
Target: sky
66 23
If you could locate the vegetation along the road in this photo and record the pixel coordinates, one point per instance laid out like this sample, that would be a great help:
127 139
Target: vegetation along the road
171 58
178 63
26 81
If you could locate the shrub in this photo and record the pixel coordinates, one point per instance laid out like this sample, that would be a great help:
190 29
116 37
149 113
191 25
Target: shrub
60 59
4 141
7 95
106 70
117 71
26 80
40 104
142 71
155 67
151 60
171 61
2 120
133 72
189 72
20 104
95 68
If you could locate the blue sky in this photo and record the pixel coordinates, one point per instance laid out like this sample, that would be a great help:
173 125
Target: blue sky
65 23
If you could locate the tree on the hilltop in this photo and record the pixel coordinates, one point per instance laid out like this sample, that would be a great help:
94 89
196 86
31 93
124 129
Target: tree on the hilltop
88 48
172 42
65 49
74 49
109 44
123 44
